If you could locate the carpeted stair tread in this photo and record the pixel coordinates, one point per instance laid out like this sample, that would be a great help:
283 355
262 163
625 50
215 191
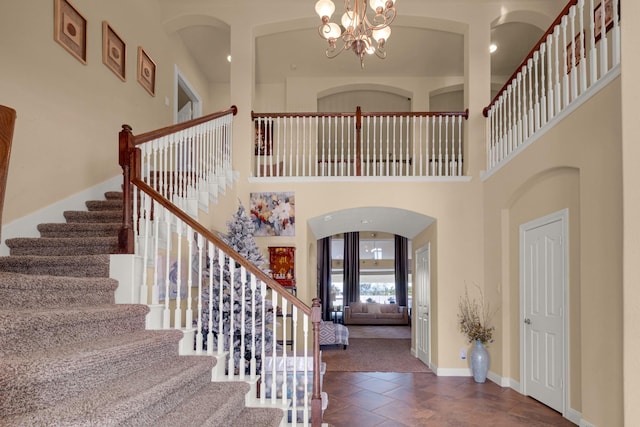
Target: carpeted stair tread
131 400
75 266
215 404
80 229
259 417
113 195
20 291
54 327
46 377
93 216
104 205
61 246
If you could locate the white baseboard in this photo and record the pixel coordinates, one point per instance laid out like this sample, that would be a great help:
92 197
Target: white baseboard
27 225
451 372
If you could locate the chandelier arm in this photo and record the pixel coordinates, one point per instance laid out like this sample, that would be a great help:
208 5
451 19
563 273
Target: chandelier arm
332 51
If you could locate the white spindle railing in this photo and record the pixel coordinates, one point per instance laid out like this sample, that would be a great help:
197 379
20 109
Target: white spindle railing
358 144
226 306
561 69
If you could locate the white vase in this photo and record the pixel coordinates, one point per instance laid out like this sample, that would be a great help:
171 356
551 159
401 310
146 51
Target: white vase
479 358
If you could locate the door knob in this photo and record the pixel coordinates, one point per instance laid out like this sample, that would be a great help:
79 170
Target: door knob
527 321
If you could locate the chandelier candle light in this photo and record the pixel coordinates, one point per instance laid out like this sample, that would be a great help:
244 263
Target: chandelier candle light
358 33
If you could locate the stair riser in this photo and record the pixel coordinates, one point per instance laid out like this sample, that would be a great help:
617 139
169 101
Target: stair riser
31 390
113 195
79 230
104 205
98 266
65 250
35 298
95 216
27 335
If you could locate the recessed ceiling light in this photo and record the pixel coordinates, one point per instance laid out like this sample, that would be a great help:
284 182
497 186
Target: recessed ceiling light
492 47
228 58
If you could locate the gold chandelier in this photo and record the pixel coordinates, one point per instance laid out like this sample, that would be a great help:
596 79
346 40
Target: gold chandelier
358 33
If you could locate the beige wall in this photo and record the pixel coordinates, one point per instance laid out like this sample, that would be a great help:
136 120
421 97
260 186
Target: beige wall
67 110
631 212
69 114
576 167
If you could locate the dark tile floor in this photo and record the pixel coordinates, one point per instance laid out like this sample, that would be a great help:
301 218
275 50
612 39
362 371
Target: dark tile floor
385 399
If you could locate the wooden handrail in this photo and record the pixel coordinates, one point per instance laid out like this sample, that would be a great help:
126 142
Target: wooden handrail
7 124
550 30
158 133
464 114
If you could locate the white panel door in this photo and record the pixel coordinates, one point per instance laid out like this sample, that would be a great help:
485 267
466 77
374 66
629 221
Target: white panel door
543 301
185 113
422 304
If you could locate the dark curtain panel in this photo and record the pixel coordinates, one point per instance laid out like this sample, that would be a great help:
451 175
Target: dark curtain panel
324 276
402 269
351 267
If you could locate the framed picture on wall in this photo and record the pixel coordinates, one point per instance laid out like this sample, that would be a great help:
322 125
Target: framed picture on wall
282 260
608 17
114 51
146 72
70 29
574 51
263 137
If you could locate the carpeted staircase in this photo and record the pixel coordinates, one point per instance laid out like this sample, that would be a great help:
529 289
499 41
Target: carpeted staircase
70 356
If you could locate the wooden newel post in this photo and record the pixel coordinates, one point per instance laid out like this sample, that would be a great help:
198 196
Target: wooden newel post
316 398
358 141
125 158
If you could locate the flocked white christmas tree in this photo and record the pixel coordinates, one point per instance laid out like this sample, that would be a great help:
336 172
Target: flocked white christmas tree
240 236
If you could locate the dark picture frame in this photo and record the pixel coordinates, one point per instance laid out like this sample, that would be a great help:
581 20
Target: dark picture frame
70 29
146 72
263 137
608 17
114 51
573 50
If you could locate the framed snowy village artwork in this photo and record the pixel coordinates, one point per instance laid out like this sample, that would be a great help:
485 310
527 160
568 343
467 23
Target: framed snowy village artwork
273 214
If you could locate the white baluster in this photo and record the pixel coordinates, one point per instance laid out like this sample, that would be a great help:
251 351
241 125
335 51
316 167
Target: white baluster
432 161
583 61
604 43
188 323
253 308
440 146
222 261
518 109
446 145
576 58
565 59
155 289
202 257
166 321
243 321
616 33
460 145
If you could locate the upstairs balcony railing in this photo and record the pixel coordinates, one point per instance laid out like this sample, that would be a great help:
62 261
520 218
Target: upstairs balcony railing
579 53
329 145
226 306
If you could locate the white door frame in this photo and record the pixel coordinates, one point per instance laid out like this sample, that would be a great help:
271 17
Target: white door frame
181 81
563 216
421 290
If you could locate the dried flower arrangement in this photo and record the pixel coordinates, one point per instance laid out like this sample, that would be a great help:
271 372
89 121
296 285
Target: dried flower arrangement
475 317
